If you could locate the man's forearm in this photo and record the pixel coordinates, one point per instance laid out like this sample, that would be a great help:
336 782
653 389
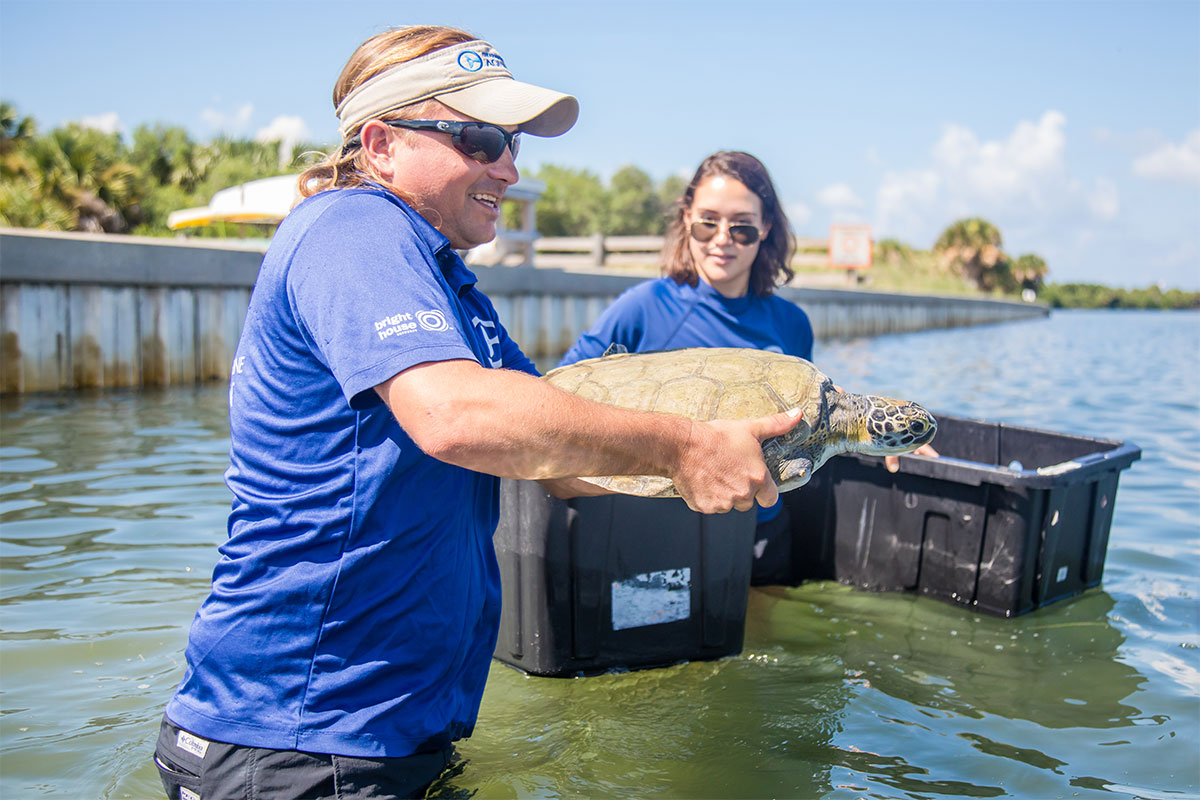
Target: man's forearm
511 424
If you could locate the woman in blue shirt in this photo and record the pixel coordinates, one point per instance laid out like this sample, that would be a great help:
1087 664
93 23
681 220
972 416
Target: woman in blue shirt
727 248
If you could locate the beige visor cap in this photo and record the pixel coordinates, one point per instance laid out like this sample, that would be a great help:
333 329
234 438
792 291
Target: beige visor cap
470 78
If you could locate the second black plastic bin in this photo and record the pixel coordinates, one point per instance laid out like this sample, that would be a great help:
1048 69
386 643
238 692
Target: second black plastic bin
1007 520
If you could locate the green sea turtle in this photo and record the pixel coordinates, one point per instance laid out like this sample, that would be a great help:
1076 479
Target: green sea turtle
706 383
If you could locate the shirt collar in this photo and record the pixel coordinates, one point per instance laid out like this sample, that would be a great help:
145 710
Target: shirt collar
457 275
732 304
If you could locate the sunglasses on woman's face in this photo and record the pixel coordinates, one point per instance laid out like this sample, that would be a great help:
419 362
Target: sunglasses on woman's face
740 232
481 141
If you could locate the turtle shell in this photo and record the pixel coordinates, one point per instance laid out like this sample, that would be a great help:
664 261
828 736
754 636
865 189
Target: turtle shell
701 383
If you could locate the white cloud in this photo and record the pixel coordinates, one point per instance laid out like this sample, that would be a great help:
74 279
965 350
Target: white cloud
283 129
839 196
1103 200
1088 225
288 131
109 122
1018 181
1008 168
1171 162
228 122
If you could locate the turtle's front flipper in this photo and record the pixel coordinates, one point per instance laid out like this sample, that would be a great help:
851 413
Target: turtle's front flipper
793 472
788 465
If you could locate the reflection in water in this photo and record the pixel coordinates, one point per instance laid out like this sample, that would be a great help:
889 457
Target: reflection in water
692 730
940 698
112 505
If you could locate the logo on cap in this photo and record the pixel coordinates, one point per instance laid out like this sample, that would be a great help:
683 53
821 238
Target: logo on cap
473 61
470 61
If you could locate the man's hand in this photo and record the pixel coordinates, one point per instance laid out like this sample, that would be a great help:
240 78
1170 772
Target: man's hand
722 467
893 462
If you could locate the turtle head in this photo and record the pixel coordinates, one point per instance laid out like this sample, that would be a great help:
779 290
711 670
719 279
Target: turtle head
891 426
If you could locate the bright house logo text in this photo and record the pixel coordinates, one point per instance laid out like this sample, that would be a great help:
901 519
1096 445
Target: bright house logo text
403 323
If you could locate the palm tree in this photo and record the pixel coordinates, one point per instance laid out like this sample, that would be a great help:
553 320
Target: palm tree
15 134
170 157
972 248
1029 271
83 170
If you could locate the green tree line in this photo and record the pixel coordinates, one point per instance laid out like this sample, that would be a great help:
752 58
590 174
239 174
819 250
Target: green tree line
578 203
75 178
1090 295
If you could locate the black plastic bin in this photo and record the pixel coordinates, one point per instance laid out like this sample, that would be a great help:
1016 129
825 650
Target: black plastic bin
597 583
1007 520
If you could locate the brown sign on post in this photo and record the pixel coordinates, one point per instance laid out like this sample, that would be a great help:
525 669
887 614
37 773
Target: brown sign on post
850 246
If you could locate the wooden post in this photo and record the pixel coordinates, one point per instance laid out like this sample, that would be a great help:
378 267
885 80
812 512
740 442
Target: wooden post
529 228
597 249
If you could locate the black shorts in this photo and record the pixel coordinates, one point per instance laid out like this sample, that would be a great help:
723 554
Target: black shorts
194 768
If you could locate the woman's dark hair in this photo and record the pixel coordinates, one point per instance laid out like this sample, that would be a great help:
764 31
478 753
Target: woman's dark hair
771 266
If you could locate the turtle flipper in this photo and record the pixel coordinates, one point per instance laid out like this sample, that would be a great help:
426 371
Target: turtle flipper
789 465
794 472
615 349
639 485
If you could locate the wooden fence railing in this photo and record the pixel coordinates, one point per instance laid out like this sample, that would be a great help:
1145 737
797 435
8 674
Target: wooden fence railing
599 250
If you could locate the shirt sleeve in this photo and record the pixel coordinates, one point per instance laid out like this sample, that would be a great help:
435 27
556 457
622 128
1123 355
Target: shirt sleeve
367 292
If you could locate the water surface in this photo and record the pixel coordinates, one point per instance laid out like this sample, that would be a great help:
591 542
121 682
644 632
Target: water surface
112 505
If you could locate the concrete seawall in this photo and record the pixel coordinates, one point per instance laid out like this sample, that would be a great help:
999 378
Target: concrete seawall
91 310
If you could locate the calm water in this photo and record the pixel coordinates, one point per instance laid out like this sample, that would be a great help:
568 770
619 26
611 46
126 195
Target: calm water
112 504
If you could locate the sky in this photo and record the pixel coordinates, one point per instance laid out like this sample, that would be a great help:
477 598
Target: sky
1074 127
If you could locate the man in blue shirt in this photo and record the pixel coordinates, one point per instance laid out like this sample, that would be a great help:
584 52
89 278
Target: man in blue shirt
375 397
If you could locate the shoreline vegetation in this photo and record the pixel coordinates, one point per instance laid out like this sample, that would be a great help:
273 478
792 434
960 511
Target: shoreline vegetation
74 178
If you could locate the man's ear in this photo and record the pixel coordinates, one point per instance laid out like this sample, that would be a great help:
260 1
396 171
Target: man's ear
377 147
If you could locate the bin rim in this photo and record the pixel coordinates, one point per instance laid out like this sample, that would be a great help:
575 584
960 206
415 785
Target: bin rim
1118 456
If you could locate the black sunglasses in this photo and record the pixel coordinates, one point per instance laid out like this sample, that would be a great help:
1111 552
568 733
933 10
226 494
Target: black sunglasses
481 141
741 233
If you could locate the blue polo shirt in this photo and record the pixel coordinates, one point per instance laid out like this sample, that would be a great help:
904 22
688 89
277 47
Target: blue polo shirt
355 604
661 314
